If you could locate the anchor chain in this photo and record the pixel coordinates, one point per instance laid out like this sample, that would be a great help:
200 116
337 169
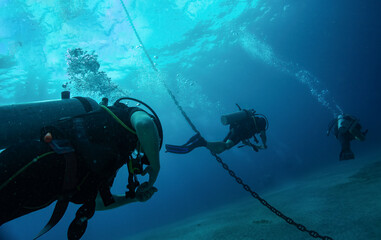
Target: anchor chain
266 204
238 179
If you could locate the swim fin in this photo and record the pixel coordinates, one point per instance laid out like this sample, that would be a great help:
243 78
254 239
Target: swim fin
347 155
176 149
194 142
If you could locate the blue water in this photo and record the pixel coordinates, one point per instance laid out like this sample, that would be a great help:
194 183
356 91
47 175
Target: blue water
298 62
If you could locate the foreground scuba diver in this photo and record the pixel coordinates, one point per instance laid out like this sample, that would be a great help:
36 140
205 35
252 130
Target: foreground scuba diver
76 160
243 126
346 128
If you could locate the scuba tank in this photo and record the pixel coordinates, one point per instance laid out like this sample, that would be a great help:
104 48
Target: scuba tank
234 117
343 123
242 114
237 116
25 121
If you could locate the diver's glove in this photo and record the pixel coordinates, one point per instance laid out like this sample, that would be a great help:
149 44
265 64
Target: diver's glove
143 193
261 146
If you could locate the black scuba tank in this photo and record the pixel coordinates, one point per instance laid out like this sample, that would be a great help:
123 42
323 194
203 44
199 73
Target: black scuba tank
20 122
234 117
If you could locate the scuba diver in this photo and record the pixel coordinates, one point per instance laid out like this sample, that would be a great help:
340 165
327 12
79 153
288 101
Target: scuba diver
76 160
243 126
346 128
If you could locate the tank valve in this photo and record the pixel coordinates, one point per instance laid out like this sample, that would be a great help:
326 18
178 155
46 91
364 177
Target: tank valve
65 95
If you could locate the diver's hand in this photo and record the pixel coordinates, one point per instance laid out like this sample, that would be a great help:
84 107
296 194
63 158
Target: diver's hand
261 146
143 193
153 173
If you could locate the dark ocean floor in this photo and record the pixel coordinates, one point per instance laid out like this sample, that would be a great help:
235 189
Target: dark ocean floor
342 201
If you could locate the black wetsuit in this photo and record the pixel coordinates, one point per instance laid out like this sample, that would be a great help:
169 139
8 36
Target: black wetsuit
245 129
101 147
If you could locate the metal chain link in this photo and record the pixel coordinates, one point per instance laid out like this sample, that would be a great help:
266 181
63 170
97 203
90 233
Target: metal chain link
266 204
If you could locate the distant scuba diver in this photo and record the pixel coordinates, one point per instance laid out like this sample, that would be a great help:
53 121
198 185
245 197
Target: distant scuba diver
76 159
244 124
346 128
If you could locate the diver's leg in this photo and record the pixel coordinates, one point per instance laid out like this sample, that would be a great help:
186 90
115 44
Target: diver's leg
346 152
216 147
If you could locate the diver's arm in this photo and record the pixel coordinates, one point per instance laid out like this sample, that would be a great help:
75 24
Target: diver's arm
148 136
263 138
229 144
330 126
120 200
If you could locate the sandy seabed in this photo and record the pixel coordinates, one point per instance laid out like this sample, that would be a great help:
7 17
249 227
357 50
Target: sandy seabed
342 202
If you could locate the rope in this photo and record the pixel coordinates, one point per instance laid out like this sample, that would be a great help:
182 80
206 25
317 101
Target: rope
224 165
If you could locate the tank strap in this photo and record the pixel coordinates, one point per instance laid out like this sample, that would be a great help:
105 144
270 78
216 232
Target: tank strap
63 147
85 103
